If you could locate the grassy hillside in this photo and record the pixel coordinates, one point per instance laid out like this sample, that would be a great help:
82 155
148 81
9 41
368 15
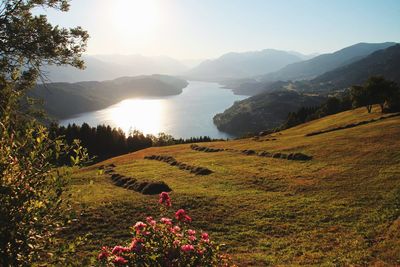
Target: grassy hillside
340 208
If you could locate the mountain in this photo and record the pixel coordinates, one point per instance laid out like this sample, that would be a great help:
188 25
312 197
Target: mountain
268 109
341 208
309 69
241 65
384 62
263 111
63 100
304 70
302 56
108 67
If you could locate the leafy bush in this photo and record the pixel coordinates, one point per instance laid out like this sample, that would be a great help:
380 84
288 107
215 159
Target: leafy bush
166 242
30 190
30 186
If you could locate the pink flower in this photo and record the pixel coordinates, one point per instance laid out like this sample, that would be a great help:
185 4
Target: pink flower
136 244
177 228
201 251
119 249
103 254
187 248
192 238
151 221
166 221
120 260
165 199
181 215
205 236
176 243
139 226
191 232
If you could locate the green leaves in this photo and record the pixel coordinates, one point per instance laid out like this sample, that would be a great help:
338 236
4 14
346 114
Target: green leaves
30 188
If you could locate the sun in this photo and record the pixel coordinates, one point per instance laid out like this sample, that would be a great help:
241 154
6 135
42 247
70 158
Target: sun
136 17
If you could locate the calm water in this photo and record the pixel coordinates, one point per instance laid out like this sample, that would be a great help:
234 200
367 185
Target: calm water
186 115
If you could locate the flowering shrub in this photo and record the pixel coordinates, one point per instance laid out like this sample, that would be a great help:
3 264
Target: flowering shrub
166 242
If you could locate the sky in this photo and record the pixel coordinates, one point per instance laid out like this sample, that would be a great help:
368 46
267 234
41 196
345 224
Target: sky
199 29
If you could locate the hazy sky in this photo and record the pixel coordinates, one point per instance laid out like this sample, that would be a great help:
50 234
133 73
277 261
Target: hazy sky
192 29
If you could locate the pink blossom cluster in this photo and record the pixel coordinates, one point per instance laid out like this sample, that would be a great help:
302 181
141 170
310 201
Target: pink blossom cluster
166 242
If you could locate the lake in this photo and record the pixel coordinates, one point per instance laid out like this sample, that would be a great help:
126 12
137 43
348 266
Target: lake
188 114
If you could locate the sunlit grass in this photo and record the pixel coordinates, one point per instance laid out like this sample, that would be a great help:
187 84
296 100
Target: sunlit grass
340 208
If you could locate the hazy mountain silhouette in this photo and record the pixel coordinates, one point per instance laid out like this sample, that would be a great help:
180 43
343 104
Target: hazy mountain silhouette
305 70
107 67
309 69
240 65
384 62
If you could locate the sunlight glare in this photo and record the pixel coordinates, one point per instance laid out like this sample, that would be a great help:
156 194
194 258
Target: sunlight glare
136 17
145 115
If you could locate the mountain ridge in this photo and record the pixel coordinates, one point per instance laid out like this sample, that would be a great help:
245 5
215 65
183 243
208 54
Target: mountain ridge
241 64
63 100
318 65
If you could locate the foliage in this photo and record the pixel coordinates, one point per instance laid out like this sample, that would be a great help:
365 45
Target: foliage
376 90
30 189
29 41
105 142
264 111
167 242
332 105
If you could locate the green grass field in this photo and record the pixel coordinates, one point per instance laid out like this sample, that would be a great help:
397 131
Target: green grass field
340 208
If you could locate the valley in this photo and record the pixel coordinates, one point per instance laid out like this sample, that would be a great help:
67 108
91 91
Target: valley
153 133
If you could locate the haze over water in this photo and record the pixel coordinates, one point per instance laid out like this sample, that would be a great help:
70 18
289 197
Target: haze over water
188 114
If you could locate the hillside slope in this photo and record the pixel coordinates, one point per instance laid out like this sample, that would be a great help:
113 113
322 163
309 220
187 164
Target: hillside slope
63 100
341 208
307 73
316 66
384 62
262 112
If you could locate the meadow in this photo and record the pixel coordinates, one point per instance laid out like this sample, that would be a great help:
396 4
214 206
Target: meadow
342 207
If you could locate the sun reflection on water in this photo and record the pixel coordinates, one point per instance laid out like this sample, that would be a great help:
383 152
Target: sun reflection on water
145 115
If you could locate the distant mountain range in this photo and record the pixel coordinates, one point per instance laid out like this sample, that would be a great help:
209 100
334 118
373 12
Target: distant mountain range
306 70
271 107
63 100
384 62
228 66
242 65
311 68
108 67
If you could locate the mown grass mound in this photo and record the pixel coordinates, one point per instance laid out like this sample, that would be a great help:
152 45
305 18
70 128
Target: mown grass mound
340 208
